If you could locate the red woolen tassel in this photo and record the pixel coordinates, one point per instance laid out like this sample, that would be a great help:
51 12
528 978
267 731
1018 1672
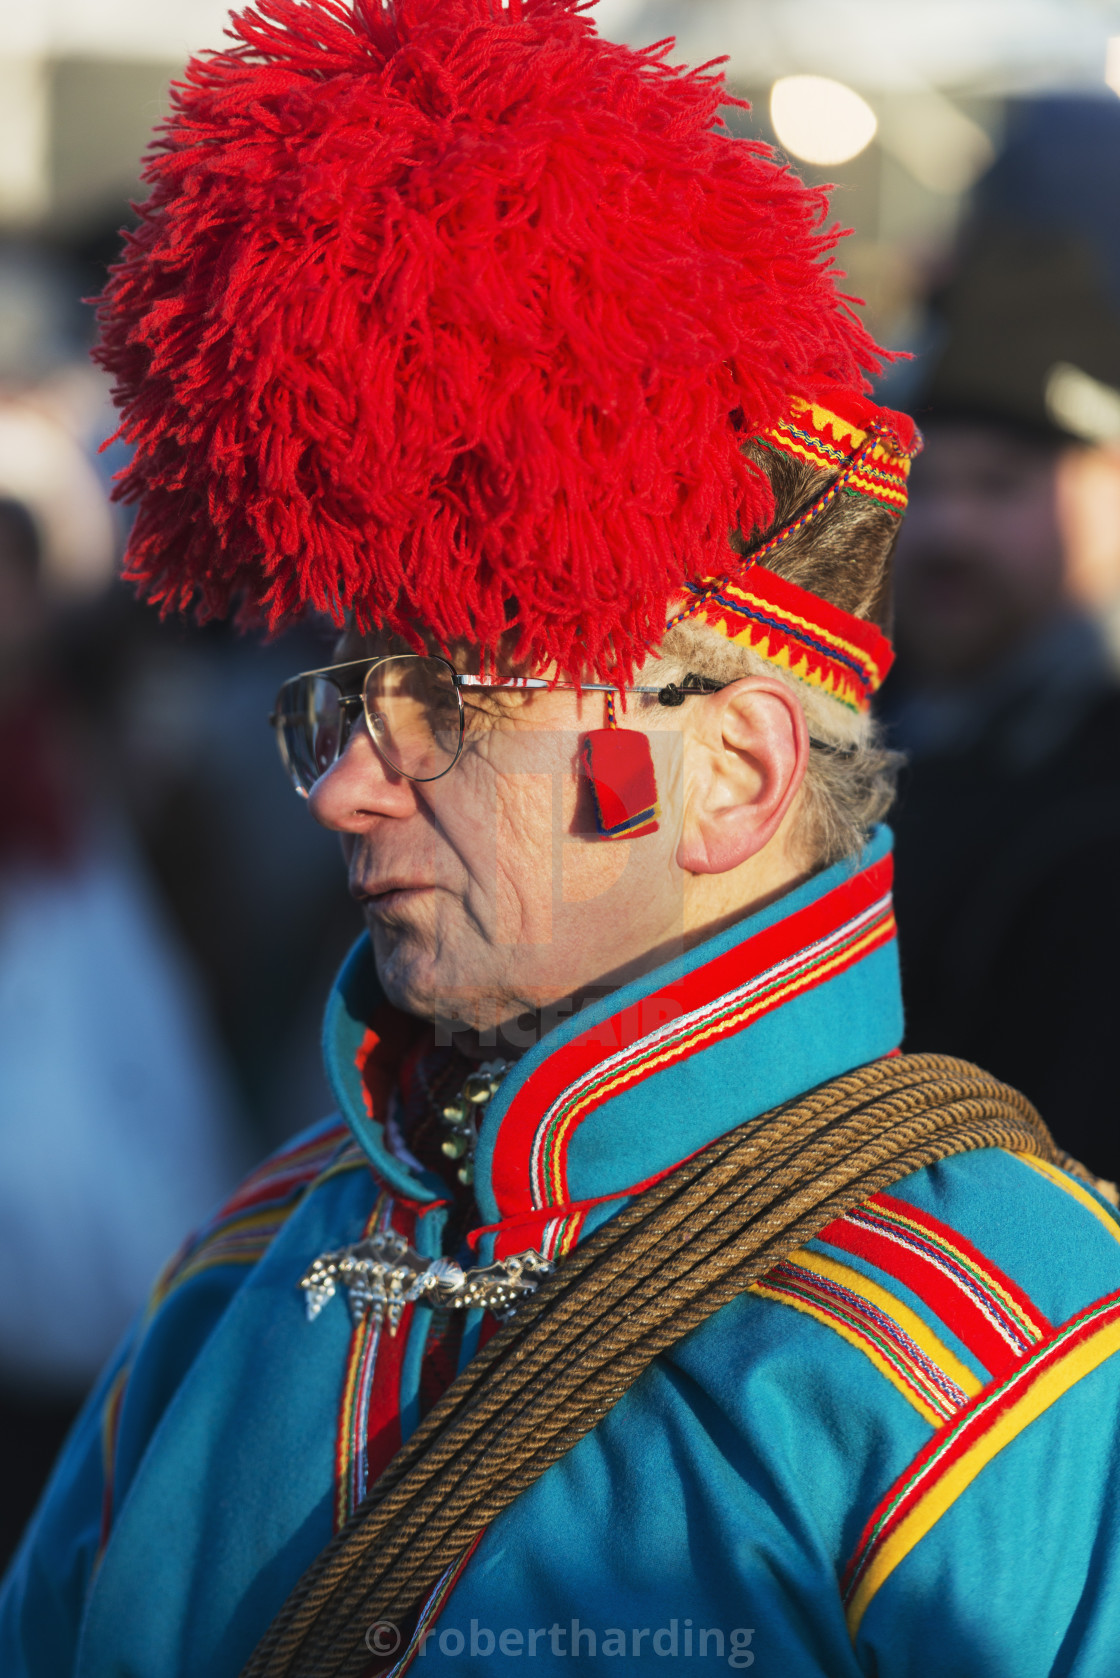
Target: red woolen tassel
619 766
418 209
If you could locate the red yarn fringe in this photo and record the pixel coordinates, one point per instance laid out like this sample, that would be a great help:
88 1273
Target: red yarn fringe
436 315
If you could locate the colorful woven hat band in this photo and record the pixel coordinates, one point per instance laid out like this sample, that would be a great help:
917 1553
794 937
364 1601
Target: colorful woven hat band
844 656
872 447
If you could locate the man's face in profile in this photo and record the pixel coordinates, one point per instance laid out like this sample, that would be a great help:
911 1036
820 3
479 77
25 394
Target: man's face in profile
486 892
980 565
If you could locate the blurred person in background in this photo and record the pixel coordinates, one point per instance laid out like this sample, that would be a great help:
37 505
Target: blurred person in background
250 892
117 1127
1005 696
253 892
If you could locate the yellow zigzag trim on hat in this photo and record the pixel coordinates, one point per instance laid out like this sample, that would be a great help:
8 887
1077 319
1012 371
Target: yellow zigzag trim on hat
842 646
843 656
825 440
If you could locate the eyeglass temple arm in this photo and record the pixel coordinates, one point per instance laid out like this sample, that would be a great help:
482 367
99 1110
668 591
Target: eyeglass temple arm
668 695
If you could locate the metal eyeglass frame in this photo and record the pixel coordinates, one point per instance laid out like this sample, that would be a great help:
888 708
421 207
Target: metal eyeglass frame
352 705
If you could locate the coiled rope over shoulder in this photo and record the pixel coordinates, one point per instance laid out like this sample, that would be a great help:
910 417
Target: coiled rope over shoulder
671 1258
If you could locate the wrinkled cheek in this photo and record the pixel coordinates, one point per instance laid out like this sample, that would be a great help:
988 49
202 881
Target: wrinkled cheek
524 845
590 869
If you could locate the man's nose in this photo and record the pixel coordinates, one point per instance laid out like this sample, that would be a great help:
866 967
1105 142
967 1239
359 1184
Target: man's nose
359 788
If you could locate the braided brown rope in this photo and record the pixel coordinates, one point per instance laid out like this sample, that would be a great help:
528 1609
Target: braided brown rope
669 1259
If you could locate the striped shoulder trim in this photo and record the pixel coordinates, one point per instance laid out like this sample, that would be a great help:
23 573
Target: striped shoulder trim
978 1302
891 1335
242 1231
287 1171
957 1454
1077 1191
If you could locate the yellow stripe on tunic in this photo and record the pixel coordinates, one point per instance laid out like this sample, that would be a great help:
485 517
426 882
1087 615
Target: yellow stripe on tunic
947 1486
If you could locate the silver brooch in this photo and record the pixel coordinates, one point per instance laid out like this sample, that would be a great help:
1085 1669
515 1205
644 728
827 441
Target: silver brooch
462 1116
383 1274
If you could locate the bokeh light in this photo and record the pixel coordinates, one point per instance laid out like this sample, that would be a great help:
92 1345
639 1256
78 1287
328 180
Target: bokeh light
820 120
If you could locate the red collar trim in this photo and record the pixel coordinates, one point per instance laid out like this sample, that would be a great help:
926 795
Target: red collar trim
529 1224
726 995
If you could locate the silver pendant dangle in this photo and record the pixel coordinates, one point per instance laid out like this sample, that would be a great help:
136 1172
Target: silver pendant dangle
463 1116
383 1274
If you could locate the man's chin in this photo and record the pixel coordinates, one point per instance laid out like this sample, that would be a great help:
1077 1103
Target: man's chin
415 982
406 976
455 1009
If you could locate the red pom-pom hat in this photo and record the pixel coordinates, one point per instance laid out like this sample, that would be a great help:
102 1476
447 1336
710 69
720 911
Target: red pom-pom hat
455 317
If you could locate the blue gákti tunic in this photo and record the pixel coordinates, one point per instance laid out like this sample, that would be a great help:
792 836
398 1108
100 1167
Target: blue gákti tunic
895 1455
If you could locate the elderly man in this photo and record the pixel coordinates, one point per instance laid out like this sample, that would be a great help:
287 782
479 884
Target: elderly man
688 1323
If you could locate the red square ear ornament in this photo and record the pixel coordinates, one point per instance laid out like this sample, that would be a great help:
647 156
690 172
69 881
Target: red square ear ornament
619 766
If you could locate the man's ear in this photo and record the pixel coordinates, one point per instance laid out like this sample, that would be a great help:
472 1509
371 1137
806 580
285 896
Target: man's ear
746 752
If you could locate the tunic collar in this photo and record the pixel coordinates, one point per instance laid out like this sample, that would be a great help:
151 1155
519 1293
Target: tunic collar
611 1099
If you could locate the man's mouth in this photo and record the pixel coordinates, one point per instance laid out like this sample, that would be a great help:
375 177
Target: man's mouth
381 896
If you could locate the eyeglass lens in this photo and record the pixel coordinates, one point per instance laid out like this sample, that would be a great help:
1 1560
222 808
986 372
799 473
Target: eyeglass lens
414 715
412 710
